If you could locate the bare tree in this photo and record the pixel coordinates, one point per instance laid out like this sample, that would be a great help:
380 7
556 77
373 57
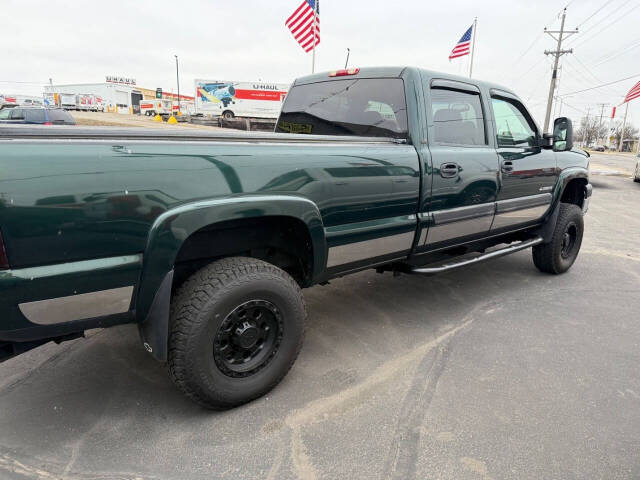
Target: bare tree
590 130
630 133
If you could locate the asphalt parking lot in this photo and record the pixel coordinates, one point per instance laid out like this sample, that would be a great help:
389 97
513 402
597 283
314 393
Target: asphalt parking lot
494 371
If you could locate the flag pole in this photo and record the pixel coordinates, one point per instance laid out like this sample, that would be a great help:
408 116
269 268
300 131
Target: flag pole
473 44
624 124
315 17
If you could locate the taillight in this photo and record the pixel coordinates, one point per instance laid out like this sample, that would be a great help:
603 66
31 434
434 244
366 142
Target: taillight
4 263
47 123
343 72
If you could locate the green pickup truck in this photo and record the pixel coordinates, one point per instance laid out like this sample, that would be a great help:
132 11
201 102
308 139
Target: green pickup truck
205 239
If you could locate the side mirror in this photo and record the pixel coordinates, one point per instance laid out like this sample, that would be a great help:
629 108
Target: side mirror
562 134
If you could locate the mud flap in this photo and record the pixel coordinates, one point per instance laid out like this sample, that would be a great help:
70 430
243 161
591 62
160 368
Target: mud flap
154 330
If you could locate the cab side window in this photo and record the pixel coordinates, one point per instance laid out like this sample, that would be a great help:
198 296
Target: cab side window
457 117
514 126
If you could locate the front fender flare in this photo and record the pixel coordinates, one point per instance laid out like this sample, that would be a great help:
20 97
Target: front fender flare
566 176
173 227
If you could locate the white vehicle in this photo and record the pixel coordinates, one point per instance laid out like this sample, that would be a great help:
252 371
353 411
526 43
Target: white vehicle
89 102
157 106
69 101
239 99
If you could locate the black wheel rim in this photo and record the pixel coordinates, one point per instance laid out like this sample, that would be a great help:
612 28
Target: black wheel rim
569 240
248 338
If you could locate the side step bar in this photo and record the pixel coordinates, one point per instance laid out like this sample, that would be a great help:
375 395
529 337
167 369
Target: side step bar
481 258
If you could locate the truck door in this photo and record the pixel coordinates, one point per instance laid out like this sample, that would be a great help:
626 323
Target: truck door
528 172
465 165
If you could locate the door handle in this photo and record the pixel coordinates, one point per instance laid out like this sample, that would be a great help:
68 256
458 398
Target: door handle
448 170
507 166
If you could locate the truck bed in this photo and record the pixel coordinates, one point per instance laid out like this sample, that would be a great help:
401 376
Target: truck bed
31 132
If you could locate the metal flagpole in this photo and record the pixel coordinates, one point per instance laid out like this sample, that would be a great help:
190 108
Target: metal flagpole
315 17
473 44
624 124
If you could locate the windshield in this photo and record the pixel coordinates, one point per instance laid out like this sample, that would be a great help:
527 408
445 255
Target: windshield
368 107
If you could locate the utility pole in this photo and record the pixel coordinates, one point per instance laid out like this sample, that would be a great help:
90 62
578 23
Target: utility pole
602 105
178 82
586 127
557 53
624 124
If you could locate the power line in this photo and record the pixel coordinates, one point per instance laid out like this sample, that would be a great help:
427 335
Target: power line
619 54
607 26
603 85
584 68
529 47
616 50
594 13
605 18
565 104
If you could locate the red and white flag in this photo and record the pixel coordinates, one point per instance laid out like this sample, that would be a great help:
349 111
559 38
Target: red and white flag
304 24
633 93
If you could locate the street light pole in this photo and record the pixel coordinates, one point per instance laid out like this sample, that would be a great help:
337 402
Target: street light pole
178 82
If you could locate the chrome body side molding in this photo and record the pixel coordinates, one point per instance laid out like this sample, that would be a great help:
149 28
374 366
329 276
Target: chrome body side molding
460 222
78 307
520 210
376 247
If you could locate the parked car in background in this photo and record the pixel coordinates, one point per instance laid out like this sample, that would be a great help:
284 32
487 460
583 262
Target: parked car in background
598 148
36 115
636 173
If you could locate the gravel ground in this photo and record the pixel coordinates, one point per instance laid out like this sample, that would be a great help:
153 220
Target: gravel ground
119 120
495 371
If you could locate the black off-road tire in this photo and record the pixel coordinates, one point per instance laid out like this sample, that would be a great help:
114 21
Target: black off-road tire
558 255
200 313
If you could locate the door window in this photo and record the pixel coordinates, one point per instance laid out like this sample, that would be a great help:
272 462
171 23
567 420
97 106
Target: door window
514 126
4 114
457 117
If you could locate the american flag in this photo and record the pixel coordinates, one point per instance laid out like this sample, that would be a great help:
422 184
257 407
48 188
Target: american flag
633 93
463 46
304 24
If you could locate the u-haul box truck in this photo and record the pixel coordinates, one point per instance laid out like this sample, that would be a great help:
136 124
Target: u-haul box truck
240 99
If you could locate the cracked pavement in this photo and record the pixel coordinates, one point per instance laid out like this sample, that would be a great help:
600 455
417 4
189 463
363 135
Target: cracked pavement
493 371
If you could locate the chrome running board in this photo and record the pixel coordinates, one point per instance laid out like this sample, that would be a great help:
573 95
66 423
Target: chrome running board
480 258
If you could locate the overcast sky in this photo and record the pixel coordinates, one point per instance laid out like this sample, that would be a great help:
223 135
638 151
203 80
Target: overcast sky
82 41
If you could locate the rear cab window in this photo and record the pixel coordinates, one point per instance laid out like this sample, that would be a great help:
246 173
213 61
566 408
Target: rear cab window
457 117
60 116
35 115
372 107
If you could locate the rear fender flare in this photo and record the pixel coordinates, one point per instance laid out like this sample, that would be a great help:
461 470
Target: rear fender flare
173 227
